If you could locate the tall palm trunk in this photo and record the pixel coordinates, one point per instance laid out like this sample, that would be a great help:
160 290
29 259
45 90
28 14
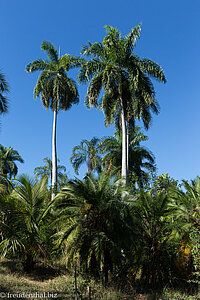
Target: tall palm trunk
127 148
124 132
124 144
54 155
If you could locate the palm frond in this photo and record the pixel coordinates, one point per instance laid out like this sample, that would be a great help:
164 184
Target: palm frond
50 50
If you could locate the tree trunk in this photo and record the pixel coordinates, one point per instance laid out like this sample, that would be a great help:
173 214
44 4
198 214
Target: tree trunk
54 156
124 132
127 149
29 263
89 165
124 144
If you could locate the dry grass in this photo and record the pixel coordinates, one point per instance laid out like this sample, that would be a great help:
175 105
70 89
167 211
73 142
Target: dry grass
48 283
58 283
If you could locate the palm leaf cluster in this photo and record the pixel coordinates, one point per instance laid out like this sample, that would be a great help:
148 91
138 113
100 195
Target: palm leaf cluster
89 152
4 89
8 159
25 213
141 159
97 207
46 171
57 91
106 153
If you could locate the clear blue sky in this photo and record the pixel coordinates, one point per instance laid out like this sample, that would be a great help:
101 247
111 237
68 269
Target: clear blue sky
170 36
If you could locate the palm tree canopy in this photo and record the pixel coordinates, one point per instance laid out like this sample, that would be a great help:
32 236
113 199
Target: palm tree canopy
8 156
57 90
114 64
89 152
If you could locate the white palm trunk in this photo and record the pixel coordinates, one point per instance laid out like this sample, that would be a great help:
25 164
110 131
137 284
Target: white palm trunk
127 149
124 145
54 156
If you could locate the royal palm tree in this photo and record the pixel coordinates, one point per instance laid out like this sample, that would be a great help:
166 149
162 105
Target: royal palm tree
141 160
26 219
8 157
87 152
57 90
123 76
4 89
96 223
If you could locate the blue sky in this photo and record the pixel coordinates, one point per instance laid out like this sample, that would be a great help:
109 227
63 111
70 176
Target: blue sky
170 36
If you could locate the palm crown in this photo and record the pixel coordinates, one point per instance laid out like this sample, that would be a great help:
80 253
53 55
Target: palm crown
56 89
89 152
8 156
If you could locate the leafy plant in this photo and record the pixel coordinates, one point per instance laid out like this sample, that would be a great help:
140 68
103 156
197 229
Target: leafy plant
25 220
95 223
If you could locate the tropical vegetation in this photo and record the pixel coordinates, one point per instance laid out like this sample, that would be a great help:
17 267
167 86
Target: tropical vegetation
119 223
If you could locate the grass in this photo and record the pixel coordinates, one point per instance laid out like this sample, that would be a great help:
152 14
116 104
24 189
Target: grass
49 283
58 283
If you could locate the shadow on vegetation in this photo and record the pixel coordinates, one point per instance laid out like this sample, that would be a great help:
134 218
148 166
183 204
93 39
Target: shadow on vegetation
41 271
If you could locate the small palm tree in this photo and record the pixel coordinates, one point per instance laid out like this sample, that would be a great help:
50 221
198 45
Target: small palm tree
26 213
96 223
46 170
8 157
57 90
141 160
87 152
